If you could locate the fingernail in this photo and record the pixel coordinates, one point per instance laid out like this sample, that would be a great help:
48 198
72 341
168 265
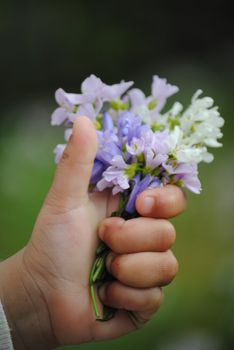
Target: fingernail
148 203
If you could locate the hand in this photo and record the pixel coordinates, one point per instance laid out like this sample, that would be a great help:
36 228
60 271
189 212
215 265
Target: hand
45 287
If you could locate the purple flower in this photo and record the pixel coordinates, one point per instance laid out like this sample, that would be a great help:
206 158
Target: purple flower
136 146
68 99
113 92
97 171
107 123
156 148
86 109
153 160
155 183
138 187
149 107
68 106
137 98
192 182
108 146
126 121
94 87
129 125
115 176
59 116
187 174
161 90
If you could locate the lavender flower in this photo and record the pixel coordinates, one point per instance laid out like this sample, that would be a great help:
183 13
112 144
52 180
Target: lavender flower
149 107
68 106
108 146
187 176
115 176
136 146
161 90
139 185
97 171
89 102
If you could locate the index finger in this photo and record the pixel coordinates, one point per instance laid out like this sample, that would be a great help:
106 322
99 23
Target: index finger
162 202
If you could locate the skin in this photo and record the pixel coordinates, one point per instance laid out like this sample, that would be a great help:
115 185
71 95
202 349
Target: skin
44 288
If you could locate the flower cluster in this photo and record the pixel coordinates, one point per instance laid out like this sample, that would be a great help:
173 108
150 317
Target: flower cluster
139 145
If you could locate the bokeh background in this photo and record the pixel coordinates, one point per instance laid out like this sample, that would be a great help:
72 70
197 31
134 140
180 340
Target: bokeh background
49 44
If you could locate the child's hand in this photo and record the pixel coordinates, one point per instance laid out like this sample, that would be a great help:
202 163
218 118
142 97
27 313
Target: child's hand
45 287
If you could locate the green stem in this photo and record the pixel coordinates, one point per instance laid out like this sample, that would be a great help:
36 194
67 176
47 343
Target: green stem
94 301
97 273
100 268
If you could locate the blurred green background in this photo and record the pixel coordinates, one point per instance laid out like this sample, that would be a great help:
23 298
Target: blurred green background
49 44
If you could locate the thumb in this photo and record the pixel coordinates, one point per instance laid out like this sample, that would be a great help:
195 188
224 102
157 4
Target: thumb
70 185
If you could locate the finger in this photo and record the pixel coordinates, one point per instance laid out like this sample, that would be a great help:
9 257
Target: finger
143 270
162 202
71 181
145 305
120 296
137 235
141 304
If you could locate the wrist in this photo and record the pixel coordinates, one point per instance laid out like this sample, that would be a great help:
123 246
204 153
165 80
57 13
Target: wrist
25 306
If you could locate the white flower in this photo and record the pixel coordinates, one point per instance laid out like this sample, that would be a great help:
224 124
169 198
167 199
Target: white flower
189 154
161 90
201 122
175 139
175 109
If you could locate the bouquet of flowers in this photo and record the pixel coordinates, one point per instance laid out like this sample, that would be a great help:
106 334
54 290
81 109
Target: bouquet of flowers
139 146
